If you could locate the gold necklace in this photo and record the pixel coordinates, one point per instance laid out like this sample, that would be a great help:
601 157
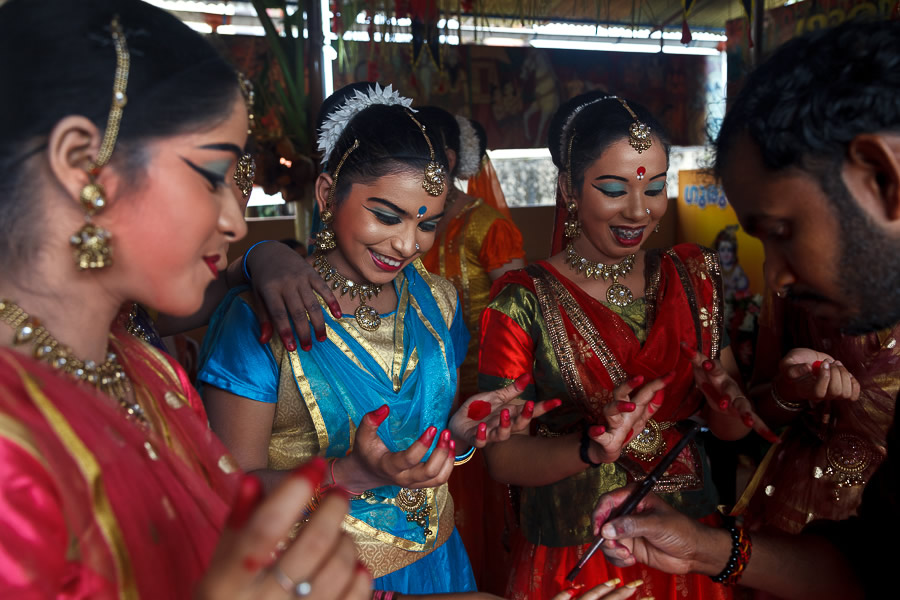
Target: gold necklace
109 377
617 294
366 316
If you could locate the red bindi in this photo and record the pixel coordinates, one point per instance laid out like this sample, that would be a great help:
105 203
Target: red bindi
479 410
641 171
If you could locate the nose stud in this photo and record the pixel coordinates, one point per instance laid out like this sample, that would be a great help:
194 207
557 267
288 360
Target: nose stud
648 211
417 246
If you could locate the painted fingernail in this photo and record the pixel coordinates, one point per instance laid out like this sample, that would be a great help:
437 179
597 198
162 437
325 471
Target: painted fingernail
658 398
478 410
816 365
626 406
634 584
708 365
747 420
528 410
504 418
551 404
629 436
612 582
265 332
313 471
250 492
426 438
444 441
335 309
306 347
523 381
452 446
481 434
688 351
377 418
669 377
635 381
322 337
724 401
596 431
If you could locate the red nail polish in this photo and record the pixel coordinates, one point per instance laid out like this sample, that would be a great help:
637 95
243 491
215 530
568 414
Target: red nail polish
596 431
426 438
322 337
249 494
669 377
627 406
289 345
629 436
551 404
445 435
265 332
336 310
504 418
769 436
815 366
306 347
481 434
688 351
523 381
528 410
708 365
747 420
658 398
635 381
313 471
478 410
724 401
651 408
452 446
378 416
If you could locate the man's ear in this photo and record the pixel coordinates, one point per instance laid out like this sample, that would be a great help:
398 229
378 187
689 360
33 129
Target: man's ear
74 142
871 173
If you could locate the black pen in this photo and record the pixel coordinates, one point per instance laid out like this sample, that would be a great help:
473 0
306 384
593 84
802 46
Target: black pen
638 494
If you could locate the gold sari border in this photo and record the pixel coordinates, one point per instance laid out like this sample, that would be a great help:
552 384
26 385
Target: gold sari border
653 276
717 319
311 403
690 293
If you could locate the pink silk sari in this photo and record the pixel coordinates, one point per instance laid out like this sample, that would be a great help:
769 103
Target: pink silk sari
94 505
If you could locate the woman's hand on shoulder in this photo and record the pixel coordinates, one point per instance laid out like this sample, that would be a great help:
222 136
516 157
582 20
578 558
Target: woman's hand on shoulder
285 287
632 404
491 417
811 377
249 564
371 464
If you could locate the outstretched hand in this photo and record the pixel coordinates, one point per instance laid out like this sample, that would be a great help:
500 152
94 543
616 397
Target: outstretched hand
248 565
371 464
491 417
814 377
284 288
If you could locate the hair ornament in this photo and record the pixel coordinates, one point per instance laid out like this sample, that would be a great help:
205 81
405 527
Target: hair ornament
468 163
639 132
337 120
564 144
434 172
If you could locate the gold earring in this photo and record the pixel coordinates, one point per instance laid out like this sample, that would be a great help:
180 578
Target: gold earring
572 227
325 238
91 243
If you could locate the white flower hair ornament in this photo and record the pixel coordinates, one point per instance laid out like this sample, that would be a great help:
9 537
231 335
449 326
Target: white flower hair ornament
469 159
337 120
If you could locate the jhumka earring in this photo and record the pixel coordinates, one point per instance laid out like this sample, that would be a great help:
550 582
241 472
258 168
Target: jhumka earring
91 243
245 171
434 172
325 238
571 228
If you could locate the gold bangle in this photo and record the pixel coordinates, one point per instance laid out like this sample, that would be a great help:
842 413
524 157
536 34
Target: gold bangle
782 403
461 460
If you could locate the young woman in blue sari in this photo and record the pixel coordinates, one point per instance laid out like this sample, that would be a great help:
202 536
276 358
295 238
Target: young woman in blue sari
374 394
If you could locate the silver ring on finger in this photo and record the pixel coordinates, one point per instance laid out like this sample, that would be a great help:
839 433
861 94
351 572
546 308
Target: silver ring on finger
299 589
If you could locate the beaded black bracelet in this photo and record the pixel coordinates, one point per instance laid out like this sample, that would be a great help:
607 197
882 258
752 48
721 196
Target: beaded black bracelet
583 448
740 555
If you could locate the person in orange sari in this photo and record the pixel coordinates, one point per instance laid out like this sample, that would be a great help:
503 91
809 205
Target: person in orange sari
125 125
609 328
836 394
475 245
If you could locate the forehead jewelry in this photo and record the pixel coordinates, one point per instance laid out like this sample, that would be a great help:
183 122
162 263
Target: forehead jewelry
434 172
639 133
421 213
641 171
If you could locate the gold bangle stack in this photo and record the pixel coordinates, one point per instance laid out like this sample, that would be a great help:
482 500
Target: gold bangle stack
782 403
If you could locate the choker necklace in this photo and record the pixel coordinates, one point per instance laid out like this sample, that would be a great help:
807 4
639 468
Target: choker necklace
366 316
617 294
109 377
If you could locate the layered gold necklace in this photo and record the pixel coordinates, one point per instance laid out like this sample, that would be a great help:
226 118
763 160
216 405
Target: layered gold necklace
366 316
108 377
617 294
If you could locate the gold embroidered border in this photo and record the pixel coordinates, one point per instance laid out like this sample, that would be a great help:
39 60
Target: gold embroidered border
652 275
716 318
559 340
463 269
689 292
90 470
428 325
311 404
389 538
15 432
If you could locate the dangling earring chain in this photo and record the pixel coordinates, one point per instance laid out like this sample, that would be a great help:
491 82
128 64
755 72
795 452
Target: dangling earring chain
366 316
617 294
109 377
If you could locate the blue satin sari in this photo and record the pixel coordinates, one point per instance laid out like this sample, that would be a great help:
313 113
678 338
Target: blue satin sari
342 379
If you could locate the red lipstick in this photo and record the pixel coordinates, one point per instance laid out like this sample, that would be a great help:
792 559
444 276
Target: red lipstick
383 265
211 263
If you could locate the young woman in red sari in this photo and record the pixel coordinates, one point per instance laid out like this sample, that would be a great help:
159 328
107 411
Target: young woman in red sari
601 324
122 129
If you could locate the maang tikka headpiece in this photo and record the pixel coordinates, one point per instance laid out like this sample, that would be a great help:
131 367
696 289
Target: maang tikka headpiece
91 243
434 172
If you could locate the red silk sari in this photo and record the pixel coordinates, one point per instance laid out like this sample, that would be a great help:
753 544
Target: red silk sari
580 350
94 505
